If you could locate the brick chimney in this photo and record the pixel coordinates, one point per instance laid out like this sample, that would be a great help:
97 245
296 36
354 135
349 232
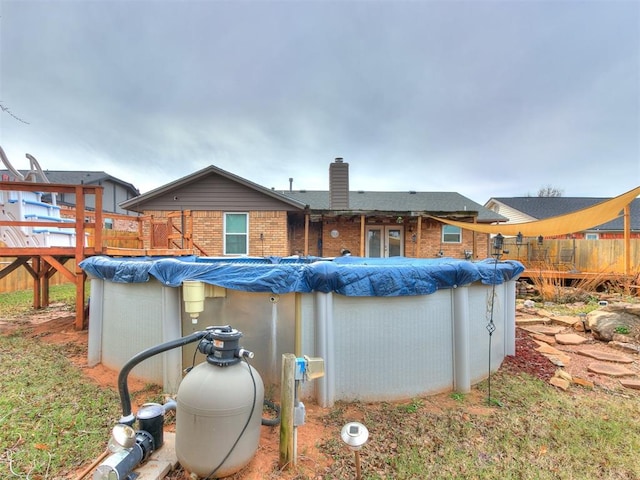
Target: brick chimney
339 185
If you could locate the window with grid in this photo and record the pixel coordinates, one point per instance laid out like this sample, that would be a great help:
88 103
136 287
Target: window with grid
451 234
236 233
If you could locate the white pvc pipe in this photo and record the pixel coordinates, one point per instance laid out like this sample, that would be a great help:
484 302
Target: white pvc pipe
461 354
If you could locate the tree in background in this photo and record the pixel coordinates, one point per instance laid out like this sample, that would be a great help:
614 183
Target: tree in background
550 191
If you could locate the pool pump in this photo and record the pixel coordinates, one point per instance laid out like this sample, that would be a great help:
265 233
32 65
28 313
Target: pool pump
218 412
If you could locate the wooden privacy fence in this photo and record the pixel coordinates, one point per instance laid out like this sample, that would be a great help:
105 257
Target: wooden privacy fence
593 256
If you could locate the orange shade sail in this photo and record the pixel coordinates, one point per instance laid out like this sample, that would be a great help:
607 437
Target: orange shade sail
577 221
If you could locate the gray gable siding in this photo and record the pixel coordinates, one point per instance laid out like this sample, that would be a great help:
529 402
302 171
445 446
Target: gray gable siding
214 192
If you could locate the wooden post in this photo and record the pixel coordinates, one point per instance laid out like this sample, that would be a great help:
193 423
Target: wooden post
287 400
79 273
98 221
45 276
306 234
627 239
419 237
475 240
36 264
363 235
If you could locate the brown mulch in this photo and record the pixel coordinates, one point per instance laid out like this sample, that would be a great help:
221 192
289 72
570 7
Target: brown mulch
527 359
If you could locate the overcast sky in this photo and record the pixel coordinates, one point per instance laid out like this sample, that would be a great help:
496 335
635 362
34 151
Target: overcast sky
484 98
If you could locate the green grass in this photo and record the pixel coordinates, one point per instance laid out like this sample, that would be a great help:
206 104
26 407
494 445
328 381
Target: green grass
21 302
538 433
52 418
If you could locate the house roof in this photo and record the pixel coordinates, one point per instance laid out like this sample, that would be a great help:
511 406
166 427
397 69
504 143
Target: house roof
435 203
420 202
79 177
138 202
540 208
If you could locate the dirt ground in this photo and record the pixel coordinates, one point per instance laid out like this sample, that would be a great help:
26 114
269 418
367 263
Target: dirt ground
57 326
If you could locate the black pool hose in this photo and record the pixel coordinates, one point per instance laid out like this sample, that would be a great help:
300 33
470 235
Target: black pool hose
123 388
271 422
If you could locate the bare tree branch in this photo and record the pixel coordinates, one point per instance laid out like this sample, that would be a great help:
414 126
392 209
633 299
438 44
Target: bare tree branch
6 110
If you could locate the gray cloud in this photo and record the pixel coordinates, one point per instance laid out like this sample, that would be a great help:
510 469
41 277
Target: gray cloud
483 98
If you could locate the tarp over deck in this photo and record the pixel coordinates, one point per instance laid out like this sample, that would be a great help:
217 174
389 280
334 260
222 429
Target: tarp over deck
349 276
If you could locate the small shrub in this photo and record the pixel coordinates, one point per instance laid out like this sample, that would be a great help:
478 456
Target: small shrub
457 396
623 330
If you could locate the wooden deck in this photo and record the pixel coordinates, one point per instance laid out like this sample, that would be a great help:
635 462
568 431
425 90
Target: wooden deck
43 262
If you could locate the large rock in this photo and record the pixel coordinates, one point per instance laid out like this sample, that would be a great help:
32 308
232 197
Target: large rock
604 322
631 308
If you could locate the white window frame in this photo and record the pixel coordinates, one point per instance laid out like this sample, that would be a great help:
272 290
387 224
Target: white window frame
592 236
246 234
457 231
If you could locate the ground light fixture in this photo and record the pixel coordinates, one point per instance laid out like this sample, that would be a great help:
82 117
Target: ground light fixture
355 435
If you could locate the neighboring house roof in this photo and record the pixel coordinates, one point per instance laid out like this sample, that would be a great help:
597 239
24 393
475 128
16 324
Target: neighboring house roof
419 202
79 177
538 208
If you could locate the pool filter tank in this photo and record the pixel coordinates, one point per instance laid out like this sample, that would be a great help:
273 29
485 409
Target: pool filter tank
218 412
219 409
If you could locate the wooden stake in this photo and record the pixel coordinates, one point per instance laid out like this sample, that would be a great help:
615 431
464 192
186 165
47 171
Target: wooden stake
287 399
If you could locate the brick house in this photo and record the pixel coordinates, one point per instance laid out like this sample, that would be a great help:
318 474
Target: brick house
223 214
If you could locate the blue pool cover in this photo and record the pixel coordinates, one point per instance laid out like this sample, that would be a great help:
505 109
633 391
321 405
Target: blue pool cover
350 276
